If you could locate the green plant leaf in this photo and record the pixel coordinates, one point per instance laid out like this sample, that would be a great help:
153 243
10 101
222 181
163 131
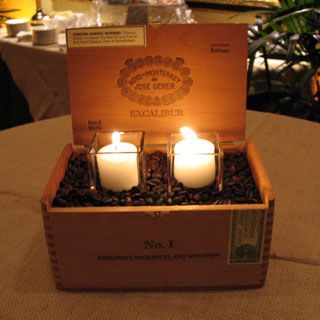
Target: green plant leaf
288 14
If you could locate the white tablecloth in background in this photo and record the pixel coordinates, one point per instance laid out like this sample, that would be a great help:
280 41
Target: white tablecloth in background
40 72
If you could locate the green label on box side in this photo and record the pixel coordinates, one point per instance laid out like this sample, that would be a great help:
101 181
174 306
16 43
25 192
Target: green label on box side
246 236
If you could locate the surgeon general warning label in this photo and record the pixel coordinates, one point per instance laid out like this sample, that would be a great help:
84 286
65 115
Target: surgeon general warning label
130 36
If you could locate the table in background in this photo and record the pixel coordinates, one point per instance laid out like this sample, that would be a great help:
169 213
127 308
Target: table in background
290 150
40 72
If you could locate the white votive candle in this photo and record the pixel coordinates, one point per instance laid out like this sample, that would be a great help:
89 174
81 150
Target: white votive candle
194 160
118 165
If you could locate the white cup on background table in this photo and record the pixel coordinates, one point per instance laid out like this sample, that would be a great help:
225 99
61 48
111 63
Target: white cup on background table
43 35
14 26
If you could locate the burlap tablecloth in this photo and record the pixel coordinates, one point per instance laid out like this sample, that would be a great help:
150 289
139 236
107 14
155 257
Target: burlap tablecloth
290 151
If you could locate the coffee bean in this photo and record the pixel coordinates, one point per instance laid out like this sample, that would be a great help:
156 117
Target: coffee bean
249 194
240 199
158 202
204 197
235 179
59 202
136 196
88 204
176 190
177 200
165 177
183 193
135 190
171 194
230 183
157 175
179 185
252 200
148 194
247 181
226 194
239 192
217 194
154 163
158 189
95 197
151 184
154 181
106 200
155 195
149 201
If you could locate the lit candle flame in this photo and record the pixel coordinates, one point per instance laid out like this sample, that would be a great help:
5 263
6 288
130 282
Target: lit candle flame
116 138
188 133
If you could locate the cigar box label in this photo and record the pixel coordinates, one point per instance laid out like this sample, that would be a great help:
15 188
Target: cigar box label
131 36
246 236
137 77
154 80
165 250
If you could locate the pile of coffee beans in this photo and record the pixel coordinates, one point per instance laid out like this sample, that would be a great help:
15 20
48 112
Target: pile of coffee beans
238 186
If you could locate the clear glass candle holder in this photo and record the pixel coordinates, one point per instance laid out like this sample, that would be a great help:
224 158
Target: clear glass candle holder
116 161
195 162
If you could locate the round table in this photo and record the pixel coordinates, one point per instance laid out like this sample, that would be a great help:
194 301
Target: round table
290 151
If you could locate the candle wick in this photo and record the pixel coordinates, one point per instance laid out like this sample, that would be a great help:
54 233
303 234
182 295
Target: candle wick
116 139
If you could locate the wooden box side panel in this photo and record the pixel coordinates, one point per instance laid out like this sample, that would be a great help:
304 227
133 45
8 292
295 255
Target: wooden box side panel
259 173
139 250
46 200
265 188
267 241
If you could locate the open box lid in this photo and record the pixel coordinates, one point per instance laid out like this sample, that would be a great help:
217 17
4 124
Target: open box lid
158 78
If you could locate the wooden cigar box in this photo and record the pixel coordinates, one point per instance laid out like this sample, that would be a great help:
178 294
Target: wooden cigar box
158 78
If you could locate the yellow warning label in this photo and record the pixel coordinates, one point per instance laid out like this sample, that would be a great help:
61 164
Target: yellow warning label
130 36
